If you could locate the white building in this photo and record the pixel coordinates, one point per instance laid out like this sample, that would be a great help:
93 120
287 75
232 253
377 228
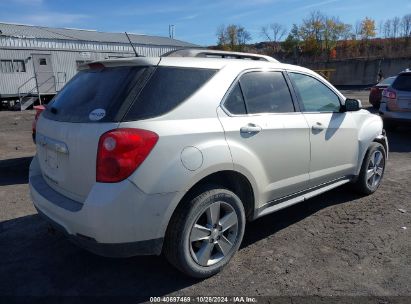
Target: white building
37 60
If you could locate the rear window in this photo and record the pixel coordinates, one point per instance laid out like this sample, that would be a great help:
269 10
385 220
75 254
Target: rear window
94 95
167 88
109 94
402 82
387 81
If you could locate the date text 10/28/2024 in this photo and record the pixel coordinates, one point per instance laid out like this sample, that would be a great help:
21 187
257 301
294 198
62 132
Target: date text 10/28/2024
202 299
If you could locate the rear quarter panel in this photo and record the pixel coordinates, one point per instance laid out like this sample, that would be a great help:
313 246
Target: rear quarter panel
163 171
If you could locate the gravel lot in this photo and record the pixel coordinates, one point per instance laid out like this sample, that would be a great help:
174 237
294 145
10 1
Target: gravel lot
337 244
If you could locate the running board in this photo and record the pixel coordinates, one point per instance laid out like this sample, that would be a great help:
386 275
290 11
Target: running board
298 197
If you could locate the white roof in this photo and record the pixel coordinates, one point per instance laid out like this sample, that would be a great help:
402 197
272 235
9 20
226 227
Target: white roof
41 32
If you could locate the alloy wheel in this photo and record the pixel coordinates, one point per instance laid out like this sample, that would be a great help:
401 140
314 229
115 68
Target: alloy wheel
375 169
214 234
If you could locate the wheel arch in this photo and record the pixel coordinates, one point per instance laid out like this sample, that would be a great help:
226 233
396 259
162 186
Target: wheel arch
370 131
230 179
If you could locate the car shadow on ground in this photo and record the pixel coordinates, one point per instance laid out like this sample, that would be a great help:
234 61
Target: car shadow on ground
36 261
270 224
399 140
14 171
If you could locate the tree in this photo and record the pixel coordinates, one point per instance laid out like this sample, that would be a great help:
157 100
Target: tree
231 33
292 42
313 26
347 32
233 37
357 29
367 28
334 30
387 29
221 37
311 32
243 36
274 32
396 21
406 26
381 28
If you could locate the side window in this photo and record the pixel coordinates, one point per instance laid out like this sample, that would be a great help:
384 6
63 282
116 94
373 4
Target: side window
235 101
167 88
266 92
6 66
314 95
19 66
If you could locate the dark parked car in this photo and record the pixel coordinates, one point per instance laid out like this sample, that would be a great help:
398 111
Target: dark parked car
395 106
376 91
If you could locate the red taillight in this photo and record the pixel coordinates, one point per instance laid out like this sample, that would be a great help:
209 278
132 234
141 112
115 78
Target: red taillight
96 66
389 94
392 99
38 109
121 152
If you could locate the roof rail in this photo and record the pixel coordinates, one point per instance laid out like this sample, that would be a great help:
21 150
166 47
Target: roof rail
205 53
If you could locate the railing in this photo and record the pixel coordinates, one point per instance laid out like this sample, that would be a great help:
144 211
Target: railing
24 84
63 82
31 92
36 89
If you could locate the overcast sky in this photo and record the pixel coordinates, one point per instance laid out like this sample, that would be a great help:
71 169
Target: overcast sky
195 21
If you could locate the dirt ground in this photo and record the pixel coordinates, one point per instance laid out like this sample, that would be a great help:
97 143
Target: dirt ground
337 244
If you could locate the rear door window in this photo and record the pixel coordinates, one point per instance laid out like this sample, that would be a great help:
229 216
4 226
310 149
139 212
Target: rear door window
266 92
94 95
235 103
167 88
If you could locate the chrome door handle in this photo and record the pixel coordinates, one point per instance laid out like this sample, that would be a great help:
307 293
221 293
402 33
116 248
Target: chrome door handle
250 129
318 127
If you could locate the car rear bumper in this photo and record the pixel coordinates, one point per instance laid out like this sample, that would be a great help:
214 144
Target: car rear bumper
393 115
396 116
116 220
148 247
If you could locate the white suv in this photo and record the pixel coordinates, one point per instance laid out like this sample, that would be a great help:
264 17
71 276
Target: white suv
174 154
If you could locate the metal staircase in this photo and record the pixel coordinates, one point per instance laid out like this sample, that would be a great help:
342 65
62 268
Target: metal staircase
33 95
27 101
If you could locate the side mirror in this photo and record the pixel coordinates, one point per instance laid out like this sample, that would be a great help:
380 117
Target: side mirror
352 105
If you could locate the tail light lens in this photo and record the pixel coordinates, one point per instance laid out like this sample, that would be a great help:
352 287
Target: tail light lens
38 109
392 99
121 152
389 94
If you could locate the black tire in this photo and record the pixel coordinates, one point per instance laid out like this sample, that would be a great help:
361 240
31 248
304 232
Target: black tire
178 244
364 184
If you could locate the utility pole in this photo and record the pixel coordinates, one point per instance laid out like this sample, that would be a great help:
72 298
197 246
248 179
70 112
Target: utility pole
171 31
